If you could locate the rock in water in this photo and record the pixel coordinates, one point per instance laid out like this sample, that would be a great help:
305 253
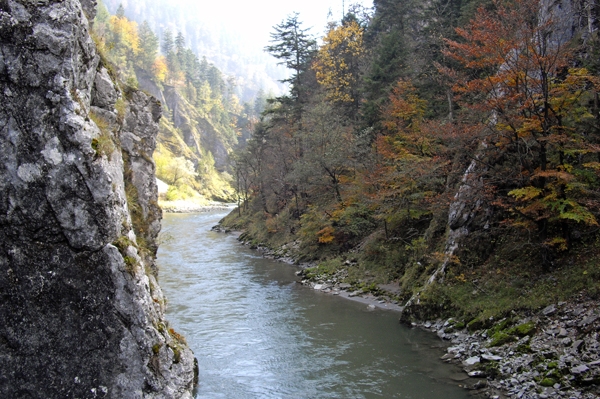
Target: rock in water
81 314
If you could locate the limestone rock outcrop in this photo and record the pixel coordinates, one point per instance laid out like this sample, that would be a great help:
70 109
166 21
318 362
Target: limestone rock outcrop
81 313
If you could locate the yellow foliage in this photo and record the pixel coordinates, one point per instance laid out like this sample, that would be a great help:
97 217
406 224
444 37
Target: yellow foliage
526 193
558 242
592 165
326 235
126 32
176 171
337 61
160 69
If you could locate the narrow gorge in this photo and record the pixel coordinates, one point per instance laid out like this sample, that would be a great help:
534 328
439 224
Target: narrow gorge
439 158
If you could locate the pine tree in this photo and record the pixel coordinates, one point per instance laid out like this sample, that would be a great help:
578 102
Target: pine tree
121 11
295 48
148 46
179 42
167 44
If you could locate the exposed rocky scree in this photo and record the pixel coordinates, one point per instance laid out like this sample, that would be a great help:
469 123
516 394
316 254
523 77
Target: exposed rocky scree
81 313
553 354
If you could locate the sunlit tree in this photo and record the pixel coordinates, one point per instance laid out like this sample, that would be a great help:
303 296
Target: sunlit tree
338 60
294 47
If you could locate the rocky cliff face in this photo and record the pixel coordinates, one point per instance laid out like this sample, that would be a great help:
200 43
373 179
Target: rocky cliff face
81 314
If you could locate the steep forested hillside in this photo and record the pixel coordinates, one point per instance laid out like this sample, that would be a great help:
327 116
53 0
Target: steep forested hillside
202 117
450 146
221 44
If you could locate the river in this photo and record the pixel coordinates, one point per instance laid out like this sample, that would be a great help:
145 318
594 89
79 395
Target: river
257 333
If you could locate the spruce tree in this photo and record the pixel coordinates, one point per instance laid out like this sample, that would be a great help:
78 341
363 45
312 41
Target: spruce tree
121 11
294 47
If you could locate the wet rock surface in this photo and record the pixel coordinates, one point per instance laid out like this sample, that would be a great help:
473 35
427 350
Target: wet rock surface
79 315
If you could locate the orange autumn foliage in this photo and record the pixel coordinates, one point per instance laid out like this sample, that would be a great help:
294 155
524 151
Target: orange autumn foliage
518 78
408 174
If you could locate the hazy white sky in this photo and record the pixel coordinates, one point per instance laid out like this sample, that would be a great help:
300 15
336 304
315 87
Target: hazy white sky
257 17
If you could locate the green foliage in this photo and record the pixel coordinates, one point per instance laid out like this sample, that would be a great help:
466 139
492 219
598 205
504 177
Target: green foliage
354 222
131 264
148 47
324 269
491 369
501 338
123 243
459 325
524 329
500 326
548 382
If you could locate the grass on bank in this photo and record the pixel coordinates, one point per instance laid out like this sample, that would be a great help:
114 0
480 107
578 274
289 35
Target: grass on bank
515 281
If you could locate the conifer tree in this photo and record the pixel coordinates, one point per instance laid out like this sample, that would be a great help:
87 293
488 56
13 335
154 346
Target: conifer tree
294 47
148 45
179 42
167 44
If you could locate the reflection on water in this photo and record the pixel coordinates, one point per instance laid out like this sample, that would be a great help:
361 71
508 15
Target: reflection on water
259 334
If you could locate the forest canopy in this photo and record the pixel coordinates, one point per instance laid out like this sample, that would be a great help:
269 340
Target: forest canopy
422 124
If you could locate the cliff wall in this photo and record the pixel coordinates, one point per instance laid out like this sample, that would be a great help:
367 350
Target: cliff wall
81 314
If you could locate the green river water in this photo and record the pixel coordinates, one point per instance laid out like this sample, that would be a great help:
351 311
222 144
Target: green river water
257 333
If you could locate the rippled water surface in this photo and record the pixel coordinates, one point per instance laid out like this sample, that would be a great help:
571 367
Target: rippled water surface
259 334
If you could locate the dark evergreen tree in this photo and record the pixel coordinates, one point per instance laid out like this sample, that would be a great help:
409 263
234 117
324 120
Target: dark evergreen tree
203 69
294 47
167 44
387 37
179 42
121 11
215 80
148 46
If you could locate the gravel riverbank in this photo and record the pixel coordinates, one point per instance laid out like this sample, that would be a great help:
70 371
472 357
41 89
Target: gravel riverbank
552 354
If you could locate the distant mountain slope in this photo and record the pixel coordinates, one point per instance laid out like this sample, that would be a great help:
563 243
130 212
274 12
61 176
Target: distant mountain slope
253 69
202 116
